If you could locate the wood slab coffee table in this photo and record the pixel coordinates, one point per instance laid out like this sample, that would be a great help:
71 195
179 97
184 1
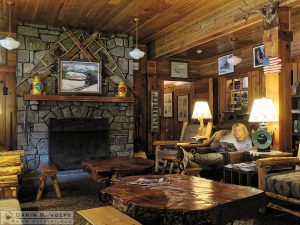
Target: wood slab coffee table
107 169
180 199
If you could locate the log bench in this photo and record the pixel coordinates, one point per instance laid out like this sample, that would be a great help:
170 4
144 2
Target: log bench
48 171
11 167
106 215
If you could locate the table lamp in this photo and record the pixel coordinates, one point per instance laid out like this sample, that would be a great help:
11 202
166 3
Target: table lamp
201 111
263 111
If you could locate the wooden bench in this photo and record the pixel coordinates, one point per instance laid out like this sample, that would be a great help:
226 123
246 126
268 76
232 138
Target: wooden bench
47 171
106 215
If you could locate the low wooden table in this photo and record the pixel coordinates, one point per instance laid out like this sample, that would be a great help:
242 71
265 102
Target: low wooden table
108 169
183 200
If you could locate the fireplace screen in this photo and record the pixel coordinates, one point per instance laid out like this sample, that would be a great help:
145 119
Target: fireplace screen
75 139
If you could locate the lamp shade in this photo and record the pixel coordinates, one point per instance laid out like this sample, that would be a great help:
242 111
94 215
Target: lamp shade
263 110
9 43
234 60
201 110
136 53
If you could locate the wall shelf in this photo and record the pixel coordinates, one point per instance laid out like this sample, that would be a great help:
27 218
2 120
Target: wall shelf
64 98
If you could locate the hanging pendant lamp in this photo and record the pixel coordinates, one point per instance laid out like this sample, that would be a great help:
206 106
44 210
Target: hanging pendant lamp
9 43
136 53
234 60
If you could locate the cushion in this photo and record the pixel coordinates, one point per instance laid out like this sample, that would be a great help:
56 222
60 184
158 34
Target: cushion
283 183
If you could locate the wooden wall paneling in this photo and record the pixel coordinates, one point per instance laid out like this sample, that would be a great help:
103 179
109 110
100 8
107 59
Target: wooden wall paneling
222 95
2 113
140 84
256 86
295 27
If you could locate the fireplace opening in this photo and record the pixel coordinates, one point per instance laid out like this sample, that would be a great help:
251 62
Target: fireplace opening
75 139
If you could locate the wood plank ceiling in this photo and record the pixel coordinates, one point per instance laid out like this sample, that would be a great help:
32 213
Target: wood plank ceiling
159 20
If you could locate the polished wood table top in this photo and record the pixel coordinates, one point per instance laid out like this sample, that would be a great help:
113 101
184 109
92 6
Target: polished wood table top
180 199
109 168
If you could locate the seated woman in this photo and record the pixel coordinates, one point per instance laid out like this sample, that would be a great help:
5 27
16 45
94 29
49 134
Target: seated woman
206 157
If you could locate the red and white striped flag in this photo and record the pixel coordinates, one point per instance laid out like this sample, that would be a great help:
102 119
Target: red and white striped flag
272 65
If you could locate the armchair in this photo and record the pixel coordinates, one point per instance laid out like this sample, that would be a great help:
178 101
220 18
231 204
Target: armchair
283 186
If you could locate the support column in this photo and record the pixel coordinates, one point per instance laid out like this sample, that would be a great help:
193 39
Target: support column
278 85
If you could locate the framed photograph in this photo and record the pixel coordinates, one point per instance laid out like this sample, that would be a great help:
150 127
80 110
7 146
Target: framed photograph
78 77
179 69
154 111
258 56
168 104
223 66
3 56
183 108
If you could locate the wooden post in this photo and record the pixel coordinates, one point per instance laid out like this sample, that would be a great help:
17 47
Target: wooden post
278 85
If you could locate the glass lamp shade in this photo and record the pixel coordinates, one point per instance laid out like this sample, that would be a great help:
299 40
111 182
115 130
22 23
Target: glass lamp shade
234 60
263 110
201 110
9 43
136 53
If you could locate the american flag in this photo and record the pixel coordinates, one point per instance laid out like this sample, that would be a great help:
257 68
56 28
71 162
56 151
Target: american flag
272 65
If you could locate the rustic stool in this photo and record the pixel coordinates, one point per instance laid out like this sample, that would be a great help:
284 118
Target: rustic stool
106 215
46 171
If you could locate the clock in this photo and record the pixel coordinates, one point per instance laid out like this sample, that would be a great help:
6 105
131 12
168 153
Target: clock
262 140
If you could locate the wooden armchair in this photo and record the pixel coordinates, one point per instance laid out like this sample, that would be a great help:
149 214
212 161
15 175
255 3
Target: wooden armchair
166 150
284 186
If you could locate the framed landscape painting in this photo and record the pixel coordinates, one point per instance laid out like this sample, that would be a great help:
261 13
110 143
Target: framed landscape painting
78 77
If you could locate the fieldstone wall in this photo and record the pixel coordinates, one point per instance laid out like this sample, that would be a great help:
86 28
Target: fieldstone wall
33 116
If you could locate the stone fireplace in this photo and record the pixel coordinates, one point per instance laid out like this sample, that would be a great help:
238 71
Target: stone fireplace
75 139
34 118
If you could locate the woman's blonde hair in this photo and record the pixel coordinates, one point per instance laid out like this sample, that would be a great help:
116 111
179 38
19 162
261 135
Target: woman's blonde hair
244 129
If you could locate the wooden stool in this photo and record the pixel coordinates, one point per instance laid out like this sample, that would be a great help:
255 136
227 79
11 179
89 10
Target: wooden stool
50 170
106 215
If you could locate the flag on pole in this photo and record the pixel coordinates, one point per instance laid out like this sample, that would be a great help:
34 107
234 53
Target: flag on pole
272 65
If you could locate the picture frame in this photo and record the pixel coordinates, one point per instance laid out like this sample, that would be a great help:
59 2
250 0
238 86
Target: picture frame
179 69
168 104
3 56
78 77
155 111
258 53
183 108
223 66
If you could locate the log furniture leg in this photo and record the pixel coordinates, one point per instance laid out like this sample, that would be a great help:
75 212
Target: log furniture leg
50 171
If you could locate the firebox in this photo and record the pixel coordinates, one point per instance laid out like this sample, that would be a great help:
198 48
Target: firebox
75 139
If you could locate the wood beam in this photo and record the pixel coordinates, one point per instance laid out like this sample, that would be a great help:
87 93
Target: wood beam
228 19
278 84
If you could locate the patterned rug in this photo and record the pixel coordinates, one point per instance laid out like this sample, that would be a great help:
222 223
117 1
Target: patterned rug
80 192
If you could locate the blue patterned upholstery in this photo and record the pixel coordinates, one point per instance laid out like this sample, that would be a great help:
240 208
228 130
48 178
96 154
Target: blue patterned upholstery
283 183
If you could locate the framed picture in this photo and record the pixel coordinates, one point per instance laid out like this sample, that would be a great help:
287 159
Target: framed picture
258 56
3 56
223 66
154 111
179 69
183 108
168 104
77 77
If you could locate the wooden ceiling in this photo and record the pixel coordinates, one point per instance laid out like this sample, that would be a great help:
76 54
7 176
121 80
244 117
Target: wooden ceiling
160 21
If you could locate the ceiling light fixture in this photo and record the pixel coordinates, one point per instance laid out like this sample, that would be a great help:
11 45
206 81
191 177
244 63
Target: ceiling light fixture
199 51
233 60
136 53
9 43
